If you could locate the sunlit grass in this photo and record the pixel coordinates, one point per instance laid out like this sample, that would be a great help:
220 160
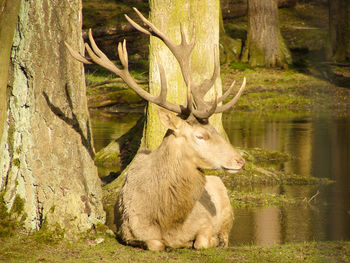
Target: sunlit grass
88 249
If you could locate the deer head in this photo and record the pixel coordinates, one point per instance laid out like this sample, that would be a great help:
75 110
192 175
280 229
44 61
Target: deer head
200 144
195 105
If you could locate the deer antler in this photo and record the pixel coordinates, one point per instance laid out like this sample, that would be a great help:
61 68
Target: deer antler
182 52
98 57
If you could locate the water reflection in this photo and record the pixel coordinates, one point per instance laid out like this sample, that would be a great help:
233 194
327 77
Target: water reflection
321 147
107 127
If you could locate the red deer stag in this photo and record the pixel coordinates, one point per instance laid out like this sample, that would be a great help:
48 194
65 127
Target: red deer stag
166 200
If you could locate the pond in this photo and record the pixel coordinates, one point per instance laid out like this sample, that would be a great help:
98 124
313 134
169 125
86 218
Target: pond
320 146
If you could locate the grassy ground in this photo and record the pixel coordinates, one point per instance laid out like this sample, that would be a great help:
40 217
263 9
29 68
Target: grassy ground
104 248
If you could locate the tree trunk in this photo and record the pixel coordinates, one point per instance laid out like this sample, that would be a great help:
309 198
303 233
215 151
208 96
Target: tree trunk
167 15
8 21
230 49
46 147
265 45
339 30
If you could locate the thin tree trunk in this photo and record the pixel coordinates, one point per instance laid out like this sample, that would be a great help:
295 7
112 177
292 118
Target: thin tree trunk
265 45
46 151
230 49
339 30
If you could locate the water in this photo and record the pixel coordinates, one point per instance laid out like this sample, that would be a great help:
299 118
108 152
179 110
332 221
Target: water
321 147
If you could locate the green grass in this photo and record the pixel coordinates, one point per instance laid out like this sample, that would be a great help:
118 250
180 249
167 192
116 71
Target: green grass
271 91
87 249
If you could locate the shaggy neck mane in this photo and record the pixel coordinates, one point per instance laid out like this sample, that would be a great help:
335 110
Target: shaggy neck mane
180 182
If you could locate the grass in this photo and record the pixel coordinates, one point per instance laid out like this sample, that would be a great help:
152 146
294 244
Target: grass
286 91
102 247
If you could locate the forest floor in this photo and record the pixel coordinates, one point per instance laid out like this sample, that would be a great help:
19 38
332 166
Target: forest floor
309 86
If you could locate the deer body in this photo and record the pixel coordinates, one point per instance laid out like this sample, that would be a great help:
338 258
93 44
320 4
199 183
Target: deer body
166 199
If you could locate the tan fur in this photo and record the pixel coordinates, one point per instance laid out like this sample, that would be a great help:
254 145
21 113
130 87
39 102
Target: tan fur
166 201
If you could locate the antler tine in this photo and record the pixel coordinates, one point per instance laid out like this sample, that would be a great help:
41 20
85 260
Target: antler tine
154 30
121 54
181 52
184 40
189 101
234 100
206 84
202 89
163 81
95 48
228 92
76 55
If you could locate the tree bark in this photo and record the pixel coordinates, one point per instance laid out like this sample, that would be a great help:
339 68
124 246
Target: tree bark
8 20
265 45
167 15
46 148
339 30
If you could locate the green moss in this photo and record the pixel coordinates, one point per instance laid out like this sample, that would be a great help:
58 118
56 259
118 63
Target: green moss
263 156
48 234
9 221
108 157
18 205
52 209
16 162
254 199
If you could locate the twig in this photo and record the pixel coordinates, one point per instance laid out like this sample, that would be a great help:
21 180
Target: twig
314 196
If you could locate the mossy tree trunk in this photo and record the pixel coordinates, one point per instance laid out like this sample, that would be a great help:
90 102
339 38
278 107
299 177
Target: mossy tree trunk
8 20
46 147
167 15
339 30
265 45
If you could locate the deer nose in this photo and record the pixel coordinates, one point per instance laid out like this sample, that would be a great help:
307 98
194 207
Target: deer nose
241 162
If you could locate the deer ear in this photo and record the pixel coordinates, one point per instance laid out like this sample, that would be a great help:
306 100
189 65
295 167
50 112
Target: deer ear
169 120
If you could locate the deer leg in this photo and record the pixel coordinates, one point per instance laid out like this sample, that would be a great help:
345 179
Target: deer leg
203 238
223 239
155 245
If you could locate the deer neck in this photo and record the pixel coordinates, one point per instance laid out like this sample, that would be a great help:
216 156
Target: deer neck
180 182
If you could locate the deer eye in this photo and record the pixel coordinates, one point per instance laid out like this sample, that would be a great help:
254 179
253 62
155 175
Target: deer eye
200 137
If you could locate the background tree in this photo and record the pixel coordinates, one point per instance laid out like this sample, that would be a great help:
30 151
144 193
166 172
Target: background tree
46 147
339 30
264 45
